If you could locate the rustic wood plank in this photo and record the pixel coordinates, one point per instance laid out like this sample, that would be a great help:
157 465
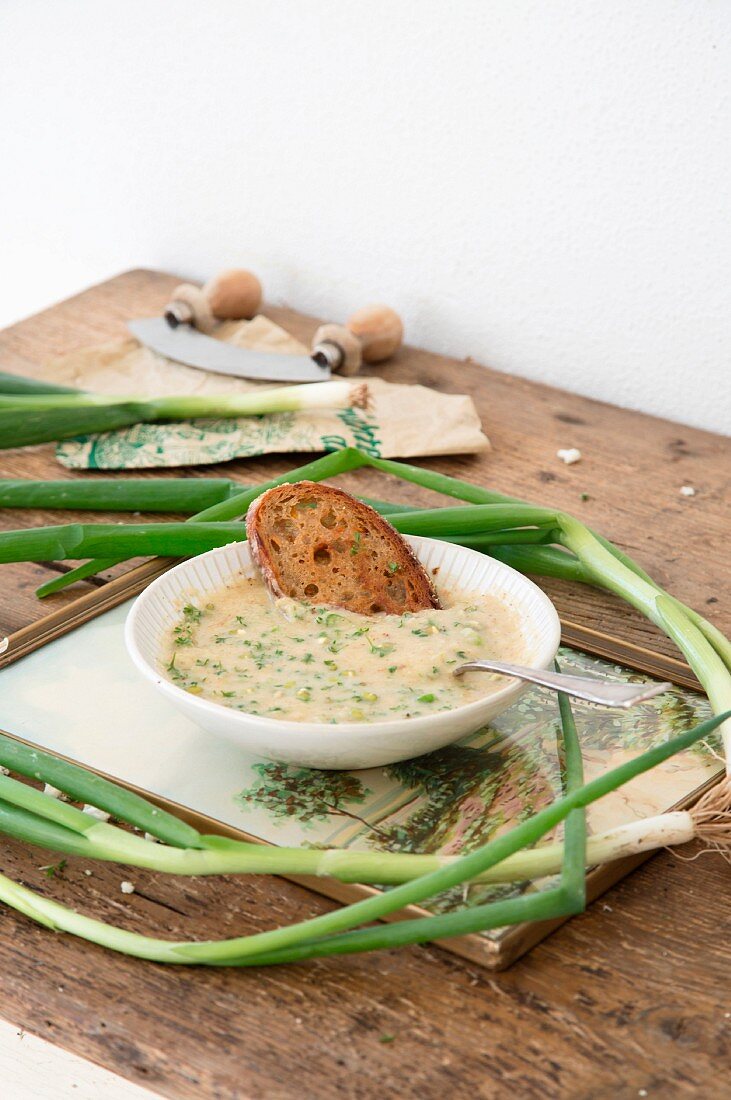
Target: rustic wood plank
626 997
20 605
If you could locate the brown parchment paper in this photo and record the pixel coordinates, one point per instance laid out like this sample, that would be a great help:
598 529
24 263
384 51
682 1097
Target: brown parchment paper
402 421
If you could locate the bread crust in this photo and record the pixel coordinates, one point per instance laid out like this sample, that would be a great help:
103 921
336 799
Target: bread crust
317 543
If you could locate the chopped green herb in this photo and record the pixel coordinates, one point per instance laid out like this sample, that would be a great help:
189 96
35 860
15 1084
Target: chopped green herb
380 650
53 869
328 618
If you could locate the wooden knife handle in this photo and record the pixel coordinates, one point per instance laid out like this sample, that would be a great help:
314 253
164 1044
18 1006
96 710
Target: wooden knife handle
233 295
371 335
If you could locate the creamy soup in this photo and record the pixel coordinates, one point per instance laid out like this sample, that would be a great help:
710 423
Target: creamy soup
280 658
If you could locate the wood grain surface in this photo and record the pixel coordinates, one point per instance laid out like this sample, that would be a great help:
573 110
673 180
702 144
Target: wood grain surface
630 996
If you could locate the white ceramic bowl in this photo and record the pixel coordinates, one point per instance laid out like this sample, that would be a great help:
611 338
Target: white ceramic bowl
348 744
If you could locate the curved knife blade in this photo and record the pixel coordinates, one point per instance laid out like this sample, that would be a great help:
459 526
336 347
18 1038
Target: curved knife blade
186 345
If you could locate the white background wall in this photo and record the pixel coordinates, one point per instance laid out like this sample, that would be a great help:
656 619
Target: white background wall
540 184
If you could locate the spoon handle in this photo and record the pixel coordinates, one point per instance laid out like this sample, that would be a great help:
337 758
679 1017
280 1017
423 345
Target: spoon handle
609 693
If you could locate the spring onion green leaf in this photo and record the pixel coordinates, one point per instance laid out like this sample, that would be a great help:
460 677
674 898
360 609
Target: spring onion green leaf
108 494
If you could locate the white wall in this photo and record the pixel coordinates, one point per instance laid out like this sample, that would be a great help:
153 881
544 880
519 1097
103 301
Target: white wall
540 184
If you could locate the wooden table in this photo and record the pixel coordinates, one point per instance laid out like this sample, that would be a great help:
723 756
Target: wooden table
631 996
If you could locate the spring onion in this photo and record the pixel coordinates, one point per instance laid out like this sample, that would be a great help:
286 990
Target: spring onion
183 495
108 494
36 817
27 418
65 541
338 932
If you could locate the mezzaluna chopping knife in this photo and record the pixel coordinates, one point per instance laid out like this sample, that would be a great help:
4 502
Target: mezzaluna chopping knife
183 334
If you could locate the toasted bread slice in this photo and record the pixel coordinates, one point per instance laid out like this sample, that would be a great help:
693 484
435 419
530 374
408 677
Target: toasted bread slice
316 543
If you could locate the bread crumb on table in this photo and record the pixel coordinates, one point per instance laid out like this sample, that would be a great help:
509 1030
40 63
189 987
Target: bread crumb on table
569 455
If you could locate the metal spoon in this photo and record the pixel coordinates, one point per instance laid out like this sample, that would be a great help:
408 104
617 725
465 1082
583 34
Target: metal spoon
608 693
